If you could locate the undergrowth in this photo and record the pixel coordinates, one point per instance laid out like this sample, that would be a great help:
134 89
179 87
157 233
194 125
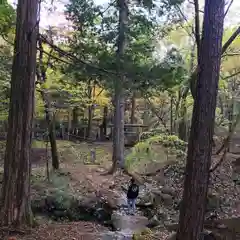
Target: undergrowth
155 148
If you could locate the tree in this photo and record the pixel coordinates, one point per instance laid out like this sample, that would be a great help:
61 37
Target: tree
41 73
15 202
192 210
94 40
118 122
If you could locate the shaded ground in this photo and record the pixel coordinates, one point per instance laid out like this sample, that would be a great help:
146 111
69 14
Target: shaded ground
64 231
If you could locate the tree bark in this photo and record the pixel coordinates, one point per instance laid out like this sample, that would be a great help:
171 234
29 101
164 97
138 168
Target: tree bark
103 127
118 129
75 116
15 202
90 110
51 131
200 142
171 115
53 143
182 127
42 77
133 108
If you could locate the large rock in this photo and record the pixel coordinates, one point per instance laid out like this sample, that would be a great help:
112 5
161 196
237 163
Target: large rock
206 235
154 222
160 197
169 191
122 222
213 202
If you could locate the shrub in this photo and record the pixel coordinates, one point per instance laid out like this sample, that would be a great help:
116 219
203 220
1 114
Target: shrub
154 147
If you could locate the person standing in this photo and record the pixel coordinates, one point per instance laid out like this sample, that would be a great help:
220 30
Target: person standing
132 194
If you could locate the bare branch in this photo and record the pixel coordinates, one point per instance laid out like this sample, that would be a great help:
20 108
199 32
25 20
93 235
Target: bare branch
230 40
197 28
232 75
156 113
229 5
228 138
231 54
181 14
220 161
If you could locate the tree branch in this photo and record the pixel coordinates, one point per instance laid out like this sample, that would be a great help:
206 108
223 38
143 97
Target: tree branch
230 4
197 28
230 40
233 75
192 82
156 113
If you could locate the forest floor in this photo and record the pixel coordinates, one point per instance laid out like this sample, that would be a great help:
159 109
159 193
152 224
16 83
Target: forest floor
79 177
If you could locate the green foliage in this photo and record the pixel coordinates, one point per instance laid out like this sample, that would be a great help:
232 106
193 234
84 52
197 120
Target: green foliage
7 22
5 75
154 146
94 41
7 18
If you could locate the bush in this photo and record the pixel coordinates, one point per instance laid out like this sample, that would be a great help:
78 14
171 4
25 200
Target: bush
154 147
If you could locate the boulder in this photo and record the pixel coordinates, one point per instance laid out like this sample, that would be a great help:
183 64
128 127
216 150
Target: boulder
121 222
213 202
145 199
206 235
169 191
160 197
154 222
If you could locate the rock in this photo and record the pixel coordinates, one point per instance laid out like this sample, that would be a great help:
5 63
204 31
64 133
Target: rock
145 199
115 236
213 202
120 221
166 199
204 236
169 191
102 215
207 235
122 201
172 236
154 222
161 214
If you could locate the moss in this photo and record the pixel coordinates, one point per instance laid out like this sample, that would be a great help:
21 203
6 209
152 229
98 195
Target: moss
146 234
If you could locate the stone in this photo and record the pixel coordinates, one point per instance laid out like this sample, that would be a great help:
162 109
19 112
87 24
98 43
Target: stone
160 197
169 191
154 222
122 201
206 235
145 199
213 202
121 222
172 236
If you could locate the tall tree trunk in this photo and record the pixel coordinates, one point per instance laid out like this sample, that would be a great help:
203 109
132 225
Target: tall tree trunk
90 121
15 202
182 128
69 127
192 210
50 119
53 143
103 128
90 110
230 118
171 115
42 77
118 129
133 108
75 116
